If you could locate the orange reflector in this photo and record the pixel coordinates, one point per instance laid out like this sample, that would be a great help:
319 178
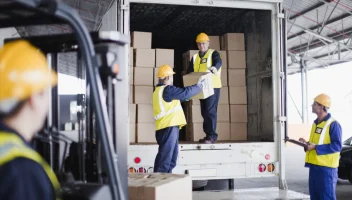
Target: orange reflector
262 168
271 167
131 170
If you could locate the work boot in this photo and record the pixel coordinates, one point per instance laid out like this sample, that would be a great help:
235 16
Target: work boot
207 140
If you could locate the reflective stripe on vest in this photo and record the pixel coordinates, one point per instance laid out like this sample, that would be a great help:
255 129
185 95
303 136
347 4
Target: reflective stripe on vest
12 147
320 134
162 108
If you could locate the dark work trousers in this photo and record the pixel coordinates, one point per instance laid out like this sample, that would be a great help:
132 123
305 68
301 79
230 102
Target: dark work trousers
322 183
166 158
209 110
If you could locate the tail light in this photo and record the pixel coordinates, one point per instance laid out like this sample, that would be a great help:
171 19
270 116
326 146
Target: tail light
271 167
142 170
262 168
132 170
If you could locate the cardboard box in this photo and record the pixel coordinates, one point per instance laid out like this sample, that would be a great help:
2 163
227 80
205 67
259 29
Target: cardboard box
238 77
233 41
131 57
192 78
187 58
131 95
144 57
133 113
194 132
224 77
132 133
223 113
239 113
159 186
143 95
142 40
164 56
238 131
223 55
145 113
214 42
143 76
156 79
196 115
146 133
223 130
131 75
236 59
224 96
238 95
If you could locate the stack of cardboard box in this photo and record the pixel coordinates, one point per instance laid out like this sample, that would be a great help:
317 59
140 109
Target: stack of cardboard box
233 44
232 108
144 63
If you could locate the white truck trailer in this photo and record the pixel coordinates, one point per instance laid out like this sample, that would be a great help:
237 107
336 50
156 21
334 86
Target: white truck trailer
174 24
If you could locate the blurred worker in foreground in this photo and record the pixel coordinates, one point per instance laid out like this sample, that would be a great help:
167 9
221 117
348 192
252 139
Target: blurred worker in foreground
208 60
24 83
169 117
323 152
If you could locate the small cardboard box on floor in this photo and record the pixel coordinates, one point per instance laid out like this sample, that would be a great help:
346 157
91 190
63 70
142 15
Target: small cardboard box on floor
193 78
157 186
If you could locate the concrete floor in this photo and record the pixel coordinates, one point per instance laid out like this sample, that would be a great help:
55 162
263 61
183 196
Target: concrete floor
297 177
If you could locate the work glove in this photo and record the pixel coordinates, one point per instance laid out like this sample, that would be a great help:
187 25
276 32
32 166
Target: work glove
201 83
214 70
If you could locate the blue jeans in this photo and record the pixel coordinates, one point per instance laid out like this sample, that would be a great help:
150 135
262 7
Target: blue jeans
166 158
322 182
209 110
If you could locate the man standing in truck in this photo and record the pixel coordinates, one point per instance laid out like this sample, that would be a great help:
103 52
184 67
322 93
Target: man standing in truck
323 152
169 117
208 60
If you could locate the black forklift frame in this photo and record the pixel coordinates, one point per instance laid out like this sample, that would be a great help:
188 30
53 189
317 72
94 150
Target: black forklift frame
54 11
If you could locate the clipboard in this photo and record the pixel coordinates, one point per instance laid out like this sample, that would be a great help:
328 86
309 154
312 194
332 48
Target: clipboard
302 144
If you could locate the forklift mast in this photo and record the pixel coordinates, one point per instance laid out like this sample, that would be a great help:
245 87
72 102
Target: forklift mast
105 68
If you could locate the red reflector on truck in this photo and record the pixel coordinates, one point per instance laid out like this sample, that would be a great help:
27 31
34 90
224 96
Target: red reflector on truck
262 168
137 160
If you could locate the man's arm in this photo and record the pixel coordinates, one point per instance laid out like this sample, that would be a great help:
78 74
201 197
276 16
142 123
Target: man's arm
335 138
216 58
190 66
182 94
24 179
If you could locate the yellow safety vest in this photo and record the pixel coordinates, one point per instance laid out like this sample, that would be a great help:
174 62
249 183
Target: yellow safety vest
12 147
203 65
320 134
167 114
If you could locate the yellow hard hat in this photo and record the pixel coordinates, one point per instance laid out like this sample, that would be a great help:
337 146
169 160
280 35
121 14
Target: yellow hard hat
164 71
202 37
323 99
23 71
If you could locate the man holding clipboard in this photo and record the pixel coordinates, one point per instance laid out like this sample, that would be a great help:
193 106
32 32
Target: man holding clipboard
323 151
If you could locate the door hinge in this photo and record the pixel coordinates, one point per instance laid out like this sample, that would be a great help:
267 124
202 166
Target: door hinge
282 118
125 7
281 15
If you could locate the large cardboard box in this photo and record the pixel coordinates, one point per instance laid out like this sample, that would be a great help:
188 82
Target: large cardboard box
238 131
238 95
223 55
131 75
164 56
144 57
193 78
187 58
132 133
233 41
224 77
239 113
223 130
146 132
143 94
145 113
214 42
223 113
131 57
236 59
224 96
143 76
133 113
196 115
195 132
159 186
156 79
142 40
237 77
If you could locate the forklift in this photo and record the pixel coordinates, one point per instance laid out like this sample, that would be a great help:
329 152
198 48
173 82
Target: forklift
96 167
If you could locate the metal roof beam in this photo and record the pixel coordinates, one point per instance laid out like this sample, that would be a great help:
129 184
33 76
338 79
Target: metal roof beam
307 10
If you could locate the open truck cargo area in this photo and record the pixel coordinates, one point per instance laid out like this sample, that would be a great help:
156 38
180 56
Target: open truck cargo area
175 25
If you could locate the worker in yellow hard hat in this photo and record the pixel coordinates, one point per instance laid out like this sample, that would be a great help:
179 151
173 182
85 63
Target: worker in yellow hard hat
208 60
323 151
169 117
25 80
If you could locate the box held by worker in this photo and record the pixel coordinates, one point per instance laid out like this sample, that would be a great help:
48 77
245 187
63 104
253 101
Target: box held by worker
144 57
164 56
141 40
193 78
159 186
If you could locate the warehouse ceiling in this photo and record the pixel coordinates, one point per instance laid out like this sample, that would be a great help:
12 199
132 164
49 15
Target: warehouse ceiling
318 32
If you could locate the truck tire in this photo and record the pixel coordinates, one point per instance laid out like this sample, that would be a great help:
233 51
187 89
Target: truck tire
350 176
199 183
